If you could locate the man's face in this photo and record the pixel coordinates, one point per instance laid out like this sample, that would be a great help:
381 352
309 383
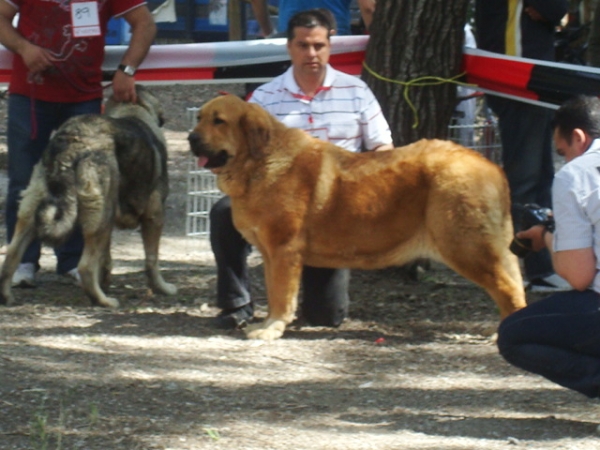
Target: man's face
576 147
309 50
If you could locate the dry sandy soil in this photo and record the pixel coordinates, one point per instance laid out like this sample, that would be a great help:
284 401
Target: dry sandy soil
415 366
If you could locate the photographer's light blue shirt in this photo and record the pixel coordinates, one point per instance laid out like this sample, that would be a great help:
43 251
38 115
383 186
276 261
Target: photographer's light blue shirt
576 205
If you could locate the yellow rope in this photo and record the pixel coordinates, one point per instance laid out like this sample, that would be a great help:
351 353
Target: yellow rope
418 82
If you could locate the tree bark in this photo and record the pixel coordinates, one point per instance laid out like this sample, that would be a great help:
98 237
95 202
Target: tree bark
411 39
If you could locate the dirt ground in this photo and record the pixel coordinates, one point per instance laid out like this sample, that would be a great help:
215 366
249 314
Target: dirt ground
415 366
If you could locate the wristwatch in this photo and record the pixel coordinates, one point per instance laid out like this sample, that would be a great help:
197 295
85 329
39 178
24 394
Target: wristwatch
129 70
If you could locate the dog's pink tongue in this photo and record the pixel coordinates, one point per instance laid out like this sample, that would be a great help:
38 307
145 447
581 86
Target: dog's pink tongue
202 160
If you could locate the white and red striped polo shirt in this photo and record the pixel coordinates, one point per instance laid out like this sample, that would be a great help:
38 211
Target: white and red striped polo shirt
344 111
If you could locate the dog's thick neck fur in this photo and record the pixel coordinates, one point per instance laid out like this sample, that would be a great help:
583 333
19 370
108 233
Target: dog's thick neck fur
268 165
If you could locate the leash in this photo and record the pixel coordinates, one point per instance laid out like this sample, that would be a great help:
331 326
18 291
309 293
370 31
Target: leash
418 82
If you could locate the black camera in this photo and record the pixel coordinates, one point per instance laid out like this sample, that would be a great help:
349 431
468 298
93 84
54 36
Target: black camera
525 217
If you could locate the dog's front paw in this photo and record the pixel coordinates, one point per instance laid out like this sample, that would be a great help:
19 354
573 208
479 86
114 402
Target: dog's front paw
269 330
168 289
108 302
158 284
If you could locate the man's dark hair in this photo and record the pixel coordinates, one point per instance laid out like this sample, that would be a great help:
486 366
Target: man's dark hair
583 112
312 18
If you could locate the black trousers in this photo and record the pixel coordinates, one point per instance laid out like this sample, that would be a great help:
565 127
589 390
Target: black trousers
325 291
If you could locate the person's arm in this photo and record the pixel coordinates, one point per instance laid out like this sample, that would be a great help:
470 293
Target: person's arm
375 129
367 9
383 147
260 8
143 31
35 58
577 266
9 37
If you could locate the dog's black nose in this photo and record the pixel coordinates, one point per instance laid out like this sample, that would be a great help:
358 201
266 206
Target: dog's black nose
193 138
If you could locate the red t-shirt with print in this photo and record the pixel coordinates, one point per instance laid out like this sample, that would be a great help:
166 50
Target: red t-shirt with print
77 74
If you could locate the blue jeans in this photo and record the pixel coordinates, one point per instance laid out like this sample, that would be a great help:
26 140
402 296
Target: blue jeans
526 134
558 338
30 124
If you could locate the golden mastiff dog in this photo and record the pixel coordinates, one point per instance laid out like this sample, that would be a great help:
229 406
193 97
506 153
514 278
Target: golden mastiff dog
302 201
98 171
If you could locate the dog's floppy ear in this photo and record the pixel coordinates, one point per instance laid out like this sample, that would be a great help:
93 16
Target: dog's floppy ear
256 126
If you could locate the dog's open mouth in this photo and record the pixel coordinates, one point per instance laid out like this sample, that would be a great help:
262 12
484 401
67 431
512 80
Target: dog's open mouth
213 161
207 158
202 161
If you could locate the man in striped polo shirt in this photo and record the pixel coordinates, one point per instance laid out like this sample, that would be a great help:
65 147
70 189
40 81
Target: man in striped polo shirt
331 106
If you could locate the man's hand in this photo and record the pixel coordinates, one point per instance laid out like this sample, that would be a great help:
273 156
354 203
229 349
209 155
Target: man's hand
123 87
37 59
536 235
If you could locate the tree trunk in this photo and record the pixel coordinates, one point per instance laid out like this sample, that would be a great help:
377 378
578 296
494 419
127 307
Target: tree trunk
411 39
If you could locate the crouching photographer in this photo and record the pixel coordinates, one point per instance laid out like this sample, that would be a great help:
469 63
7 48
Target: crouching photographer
558 337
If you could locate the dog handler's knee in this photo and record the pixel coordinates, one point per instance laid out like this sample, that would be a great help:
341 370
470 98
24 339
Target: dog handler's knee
220 212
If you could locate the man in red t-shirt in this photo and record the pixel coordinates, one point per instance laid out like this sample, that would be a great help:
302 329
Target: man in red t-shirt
58 50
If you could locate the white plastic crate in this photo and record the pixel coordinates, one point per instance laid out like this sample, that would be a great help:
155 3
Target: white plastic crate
202 193
475 126
482 137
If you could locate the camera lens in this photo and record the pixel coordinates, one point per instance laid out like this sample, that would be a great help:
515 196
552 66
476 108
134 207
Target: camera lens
520 247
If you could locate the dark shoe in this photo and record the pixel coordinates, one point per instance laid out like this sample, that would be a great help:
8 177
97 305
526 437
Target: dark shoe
229 319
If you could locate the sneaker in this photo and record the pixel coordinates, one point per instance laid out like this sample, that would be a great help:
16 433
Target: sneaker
551 283
24 277
73 276
230 319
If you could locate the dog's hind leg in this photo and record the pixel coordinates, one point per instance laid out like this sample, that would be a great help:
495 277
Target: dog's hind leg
92 267
105 270
496 276
24 234
470 227
507 288
489 264
152 224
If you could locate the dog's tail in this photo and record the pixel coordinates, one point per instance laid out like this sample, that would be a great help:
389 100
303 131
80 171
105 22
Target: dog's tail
56 214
